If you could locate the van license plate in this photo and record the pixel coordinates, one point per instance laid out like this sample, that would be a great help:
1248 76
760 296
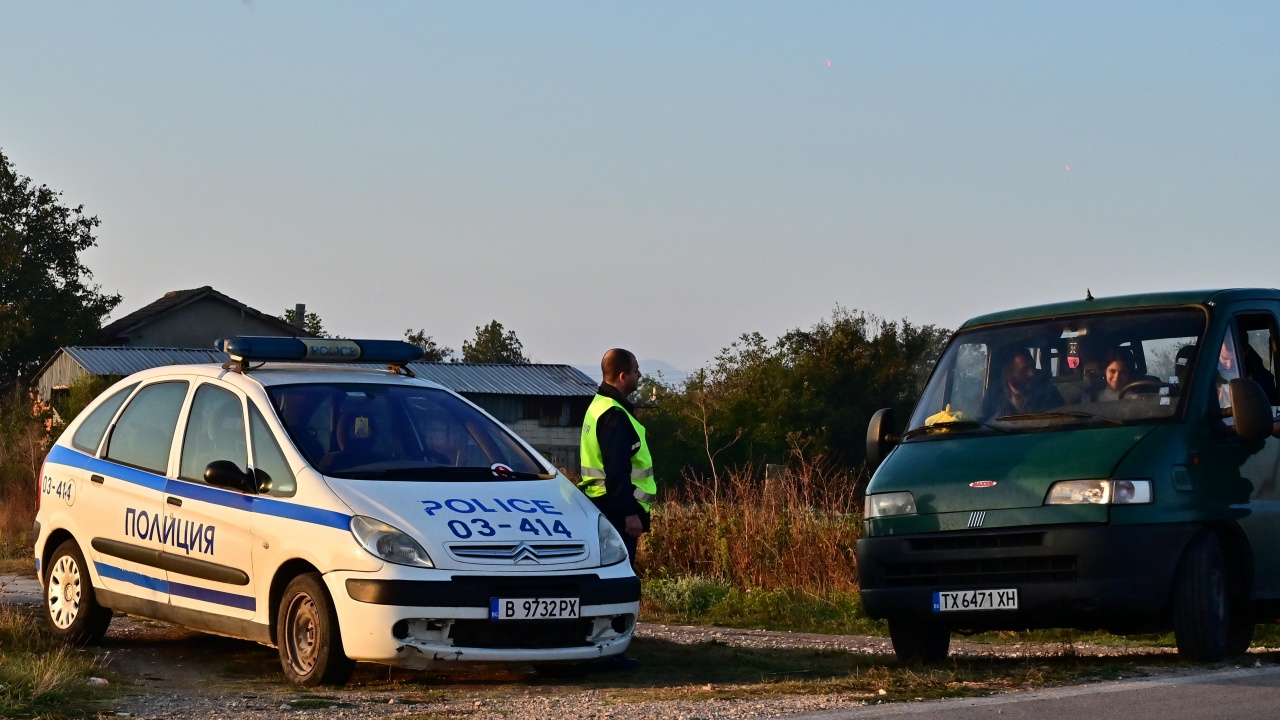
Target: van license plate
967 600
532 608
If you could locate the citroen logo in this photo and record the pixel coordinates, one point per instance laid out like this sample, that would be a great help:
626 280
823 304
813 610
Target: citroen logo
523 552
976 518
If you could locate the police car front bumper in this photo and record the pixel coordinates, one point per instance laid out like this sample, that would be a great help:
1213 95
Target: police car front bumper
1114 577
418 623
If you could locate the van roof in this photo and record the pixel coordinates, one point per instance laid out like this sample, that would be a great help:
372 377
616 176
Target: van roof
1144 300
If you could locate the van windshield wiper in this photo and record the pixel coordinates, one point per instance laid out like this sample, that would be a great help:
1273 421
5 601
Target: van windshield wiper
950 425
1060 415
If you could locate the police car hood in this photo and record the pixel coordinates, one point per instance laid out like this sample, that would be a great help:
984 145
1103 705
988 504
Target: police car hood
510 525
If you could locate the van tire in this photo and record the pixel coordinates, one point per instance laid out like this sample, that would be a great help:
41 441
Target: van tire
1239 638
308 637
1201 605
71 608
915 641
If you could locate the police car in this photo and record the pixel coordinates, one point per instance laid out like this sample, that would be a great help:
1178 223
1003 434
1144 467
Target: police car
336 511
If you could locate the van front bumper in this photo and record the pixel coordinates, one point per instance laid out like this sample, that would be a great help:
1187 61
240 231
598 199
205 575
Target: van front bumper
419 623
1113 577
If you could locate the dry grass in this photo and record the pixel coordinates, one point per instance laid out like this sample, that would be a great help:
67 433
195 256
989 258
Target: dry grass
794 532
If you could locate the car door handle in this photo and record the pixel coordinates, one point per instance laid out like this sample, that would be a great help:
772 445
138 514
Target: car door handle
97 478
174 501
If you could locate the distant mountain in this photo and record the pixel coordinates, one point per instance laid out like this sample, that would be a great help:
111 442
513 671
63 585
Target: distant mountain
670 373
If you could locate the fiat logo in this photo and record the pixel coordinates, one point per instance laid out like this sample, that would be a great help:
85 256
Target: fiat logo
983 484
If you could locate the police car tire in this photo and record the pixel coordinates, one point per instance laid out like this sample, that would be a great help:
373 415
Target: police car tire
915 641
78 619
307 635
1201 613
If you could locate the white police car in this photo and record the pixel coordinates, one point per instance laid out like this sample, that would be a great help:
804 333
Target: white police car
340 513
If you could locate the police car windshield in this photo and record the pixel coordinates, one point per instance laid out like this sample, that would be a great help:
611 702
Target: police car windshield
366 431
1113 368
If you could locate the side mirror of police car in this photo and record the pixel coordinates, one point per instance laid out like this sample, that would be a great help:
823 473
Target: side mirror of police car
1251 409
226 474
880 437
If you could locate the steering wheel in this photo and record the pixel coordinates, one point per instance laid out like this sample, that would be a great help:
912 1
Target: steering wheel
1144 383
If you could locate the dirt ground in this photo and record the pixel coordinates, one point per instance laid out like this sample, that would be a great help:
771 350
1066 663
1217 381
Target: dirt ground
162 671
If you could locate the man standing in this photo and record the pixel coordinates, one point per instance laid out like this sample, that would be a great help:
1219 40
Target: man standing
617 469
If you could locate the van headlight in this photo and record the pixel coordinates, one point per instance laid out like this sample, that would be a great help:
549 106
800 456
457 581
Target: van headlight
388 543
889 505
1099 492
612 551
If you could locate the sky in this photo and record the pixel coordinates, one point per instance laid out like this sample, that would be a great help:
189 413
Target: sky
658 176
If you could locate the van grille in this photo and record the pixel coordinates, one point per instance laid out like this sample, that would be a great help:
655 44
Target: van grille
977 573
976 542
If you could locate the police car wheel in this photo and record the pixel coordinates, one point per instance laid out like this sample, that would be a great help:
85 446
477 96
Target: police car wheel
308 637
70 607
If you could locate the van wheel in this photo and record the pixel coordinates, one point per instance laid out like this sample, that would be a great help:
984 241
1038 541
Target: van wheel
919 642
308 637
1200 602
70 607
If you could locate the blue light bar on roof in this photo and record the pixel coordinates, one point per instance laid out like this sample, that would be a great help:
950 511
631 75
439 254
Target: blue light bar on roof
260 348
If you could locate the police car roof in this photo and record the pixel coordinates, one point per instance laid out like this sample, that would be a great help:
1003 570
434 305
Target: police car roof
289 374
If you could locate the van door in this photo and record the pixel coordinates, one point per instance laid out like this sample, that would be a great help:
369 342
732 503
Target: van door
127 521
1256 338
209 554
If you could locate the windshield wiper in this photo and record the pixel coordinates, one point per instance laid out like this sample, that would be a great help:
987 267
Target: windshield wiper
950 425
1059 415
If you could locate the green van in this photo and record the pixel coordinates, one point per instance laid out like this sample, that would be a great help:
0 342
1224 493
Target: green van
1109 463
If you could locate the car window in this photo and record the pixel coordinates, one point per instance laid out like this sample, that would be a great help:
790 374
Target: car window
144 433
269 460
215 431
89 435
366 430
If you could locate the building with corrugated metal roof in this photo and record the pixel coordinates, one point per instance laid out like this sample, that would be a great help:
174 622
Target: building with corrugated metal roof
544 404
192 318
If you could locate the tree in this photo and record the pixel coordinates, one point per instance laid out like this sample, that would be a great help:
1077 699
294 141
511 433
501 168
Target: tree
494 344
310 323
431 350
46 298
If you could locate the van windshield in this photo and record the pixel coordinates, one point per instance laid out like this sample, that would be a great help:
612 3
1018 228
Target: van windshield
397 432
1105 369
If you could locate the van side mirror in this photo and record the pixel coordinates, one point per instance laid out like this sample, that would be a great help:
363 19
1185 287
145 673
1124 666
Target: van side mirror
880 437
1251 409
226 474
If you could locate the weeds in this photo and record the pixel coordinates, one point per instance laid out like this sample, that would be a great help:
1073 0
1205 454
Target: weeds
40 677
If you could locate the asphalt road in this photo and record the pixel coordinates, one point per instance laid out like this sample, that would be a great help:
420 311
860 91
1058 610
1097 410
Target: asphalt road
1251 692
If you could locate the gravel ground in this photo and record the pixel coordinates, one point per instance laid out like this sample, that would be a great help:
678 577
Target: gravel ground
176 673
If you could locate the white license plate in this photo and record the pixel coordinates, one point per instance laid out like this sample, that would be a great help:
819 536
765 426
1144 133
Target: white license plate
532 608
968 600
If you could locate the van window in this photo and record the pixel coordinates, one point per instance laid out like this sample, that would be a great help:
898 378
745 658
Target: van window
215 431
1258 359
269 460
89 435
143 436
372 431
1105 368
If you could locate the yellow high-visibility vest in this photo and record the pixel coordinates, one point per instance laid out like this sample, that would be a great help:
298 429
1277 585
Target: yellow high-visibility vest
592 457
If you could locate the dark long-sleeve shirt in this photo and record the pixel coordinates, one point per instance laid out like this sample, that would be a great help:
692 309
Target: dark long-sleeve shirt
618 442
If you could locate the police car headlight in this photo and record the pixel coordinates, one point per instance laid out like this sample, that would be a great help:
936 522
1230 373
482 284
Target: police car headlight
388 543
1099 492
612 551
889 505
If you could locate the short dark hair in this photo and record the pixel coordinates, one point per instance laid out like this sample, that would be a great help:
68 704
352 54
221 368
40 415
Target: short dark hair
616 362
1124 356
